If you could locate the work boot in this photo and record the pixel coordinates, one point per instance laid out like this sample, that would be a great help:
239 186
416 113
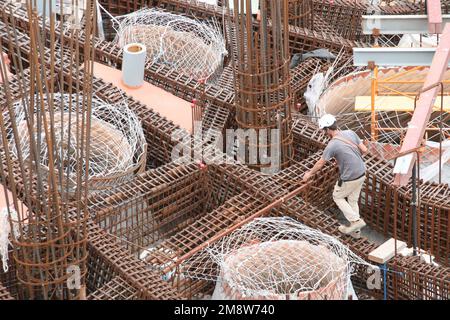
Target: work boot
354 226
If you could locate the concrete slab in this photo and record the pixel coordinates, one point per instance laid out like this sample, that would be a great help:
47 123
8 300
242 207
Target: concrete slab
386 251
166 104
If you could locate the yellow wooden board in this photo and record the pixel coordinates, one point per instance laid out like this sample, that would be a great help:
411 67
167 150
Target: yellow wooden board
395 103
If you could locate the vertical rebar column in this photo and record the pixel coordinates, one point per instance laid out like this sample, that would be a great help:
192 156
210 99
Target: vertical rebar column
260 59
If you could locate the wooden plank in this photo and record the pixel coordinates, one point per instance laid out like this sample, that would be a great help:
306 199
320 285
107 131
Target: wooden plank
395 103
386 251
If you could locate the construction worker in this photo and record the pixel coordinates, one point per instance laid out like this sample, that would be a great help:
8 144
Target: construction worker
347 148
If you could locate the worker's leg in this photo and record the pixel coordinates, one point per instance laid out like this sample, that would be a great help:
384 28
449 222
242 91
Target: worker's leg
353 197
339 195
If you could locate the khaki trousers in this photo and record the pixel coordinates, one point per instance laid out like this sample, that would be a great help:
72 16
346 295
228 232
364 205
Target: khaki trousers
350 190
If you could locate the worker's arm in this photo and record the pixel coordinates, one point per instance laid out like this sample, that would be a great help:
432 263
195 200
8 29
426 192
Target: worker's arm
319 165
363 148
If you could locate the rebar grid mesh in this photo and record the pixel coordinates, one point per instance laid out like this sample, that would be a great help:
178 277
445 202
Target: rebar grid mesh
391 126
48 243
5 233
318 218
162 75
388 209
192 47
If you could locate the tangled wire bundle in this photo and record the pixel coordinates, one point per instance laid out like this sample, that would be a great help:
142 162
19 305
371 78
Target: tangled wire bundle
117 141
191 47
276 258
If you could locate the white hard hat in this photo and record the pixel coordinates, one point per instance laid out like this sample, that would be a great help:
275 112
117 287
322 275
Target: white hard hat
327 121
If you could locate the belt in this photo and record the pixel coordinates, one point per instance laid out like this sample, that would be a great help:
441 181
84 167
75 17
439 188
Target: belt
354 179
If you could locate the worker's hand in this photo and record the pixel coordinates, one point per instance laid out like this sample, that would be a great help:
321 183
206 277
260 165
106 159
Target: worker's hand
307 176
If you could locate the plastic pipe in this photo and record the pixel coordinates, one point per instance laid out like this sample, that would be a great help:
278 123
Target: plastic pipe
134 56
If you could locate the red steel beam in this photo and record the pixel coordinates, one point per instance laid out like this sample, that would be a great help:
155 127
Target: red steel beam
414 135
434 16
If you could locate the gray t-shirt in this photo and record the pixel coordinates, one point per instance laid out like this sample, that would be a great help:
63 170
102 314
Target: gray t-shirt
349 158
